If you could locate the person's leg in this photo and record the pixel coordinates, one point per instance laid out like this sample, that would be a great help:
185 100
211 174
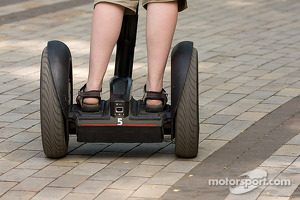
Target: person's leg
106 27
160 27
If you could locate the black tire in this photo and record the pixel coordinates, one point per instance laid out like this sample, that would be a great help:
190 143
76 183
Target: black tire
187 115
53 125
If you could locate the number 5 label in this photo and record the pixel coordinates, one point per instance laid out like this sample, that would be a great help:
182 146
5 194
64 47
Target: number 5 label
120 122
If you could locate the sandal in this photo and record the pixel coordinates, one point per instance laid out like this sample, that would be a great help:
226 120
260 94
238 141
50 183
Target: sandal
89 94
162 95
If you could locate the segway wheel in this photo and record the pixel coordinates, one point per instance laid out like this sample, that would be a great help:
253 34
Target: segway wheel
187 116
53 130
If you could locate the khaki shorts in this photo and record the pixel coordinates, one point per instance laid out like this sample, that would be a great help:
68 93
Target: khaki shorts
131 5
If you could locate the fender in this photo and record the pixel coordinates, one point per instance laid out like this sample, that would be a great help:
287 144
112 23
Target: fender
180 62
59 57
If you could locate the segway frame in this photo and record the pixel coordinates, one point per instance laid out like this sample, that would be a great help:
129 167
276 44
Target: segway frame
121 119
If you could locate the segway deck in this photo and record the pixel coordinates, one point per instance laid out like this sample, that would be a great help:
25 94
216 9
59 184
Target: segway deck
138 126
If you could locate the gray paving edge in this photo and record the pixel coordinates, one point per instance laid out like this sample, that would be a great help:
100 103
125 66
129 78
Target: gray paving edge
244 153
34 12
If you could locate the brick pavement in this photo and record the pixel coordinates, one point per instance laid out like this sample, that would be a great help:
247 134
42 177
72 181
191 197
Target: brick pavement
248 70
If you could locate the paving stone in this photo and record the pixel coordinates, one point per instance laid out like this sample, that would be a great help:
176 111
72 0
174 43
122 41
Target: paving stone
278 161
104 157
11 117
231 97
245 89
274 87
260 95
272 197
20 155
256 72
70 161
282 190
180 166
264 108
219 119
72 196
27 109
150 191
251 116
207 147
5 186
8 146
144 170
8 132
17 174
160 159
89 149
14 103
213 93
288 150
128 183
2 155
295 140
241 79
87 168
52 172
36 128
52 193
24 137
290 92
6 165
277 100
126 163
205 100
230 130
3 111
24 123
35 145
146 149
165 178
208 128
121 147
68 180
114 194
109 174
33 184
228 86
91 187
239 107
22 195
35 163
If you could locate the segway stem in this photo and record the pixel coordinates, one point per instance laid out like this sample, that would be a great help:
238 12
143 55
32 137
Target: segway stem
126 45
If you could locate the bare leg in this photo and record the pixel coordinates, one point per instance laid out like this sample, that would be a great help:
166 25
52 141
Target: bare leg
106 27
161 23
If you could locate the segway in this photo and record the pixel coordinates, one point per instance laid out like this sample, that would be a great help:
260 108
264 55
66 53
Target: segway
121 119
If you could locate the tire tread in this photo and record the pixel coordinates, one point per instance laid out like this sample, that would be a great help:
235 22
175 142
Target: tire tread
55 142
187 117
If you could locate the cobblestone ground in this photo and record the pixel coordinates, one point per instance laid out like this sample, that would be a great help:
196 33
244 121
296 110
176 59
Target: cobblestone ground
249 78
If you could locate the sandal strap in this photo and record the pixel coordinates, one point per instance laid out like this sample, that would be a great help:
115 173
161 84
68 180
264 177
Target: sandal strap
162 95
88 94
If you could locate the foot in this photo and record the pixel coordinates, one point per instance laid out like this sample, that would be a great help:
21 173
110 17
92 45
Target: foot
91 87
89 101
155 101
